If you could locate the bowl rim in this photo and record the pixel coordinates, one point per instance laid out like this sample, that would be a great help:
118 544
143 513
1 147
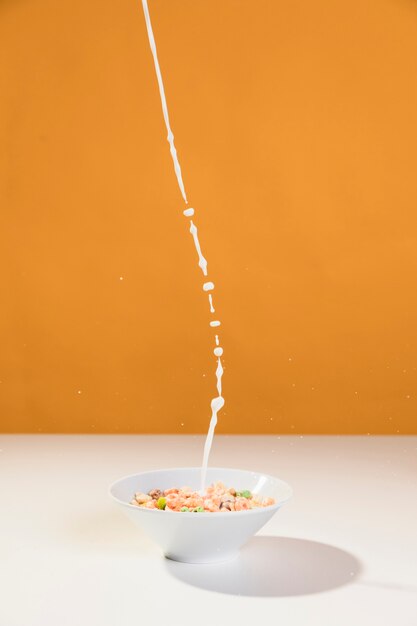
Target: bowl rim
208 514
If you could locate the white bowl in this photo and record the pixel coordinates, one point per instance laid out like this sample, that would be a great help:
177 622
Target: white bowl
200 537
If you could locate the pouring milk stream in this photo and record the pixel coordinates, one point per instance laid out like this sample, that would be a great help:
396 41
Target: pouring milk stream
217 403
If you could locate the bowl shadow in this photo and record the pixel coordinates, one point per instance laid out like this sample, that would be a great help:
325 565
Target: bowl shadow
274 567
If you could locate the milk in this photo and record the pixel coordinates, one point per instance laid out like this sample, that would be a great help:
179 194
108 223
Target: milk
217 403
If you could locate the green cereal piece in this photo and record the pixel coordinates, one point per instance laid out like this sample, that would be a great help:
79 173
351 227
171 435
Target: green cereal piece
198 509
244 494
184 509
161 503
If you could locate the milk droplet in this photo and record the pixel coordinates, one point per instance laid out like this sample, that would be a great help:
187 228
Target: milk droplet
215 323
188 212
208 286
219 374
212 309
79 391
202 262
120 277
218 351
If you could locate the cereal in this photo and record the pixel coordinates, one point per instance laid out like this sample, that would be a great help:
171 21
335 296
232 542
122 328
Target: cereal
155 494
141 498
217 498
161 503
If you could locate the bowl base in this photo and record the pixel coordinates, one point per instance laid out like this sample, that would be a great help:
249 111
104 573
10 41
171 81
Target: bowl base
203 560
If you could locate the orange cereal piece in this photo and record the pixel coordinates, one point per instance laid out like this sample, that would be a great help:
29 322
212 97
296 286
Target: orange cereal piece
151 504
210 505
194 502
242 504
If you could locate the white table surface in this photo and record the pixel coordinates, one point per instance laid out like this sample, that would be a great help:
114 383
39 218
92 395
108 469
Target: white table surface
342 552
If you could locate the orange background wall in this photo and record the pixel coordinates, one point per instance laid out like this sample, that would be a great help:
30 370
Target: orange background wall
296 126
